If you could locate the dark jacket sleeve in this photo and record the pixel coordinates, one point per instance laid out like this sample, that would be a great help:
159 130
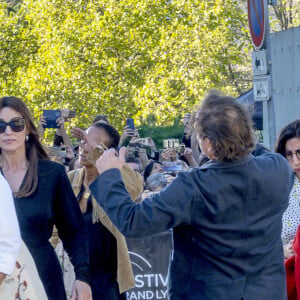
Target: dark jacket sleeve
71 228
164 210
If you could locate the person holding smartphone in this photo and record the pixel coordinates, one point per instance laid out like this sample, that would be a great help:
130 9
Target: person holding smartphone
128 132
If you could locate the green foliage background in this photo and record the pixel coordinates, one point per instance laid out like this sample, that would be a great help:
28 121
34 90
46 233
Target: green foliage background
159 133
130 58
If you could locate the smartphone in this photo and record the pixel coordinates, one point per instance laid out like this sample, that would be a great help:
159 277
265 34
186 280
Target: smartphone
130 123
57 151
50 117
155 155
96 153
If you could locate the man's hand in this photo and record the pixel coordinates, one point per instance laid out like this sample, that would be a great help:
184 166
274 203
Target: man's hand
85 141
61 123
188 153
169 154
81 291
128 131
151 143
110 159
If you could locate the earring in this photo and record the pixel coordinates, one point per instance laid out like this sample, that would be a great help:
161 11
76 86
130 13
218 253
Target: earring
26 138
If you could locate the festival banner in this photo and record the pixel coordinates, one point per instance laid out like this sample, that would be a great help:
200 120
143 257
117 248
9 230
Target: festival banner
150 259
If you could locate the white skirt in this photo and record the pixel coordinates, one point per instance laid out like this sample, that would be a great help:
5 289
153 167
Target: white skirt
24 282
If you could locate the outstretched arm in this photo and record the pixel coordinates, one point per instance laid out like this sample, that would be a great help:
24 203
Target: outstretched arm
158 213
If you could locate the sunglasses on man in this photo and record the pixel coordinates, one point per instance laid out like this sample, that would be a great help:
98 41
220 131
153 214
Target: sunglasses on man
16 125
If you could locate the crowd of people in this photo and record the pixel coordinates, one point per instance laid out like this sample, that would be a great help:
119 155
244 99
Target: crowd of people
233 205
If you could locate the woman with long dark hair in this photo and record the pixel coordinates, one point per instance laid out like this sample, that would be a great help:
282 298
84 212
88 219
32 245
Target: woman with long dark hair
43 198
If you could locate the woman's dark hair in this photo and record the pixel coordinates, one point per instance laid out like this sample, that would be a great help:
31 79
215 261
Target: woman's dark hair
58 140
227 124
34 149
100 118
112 132
292 130
149 168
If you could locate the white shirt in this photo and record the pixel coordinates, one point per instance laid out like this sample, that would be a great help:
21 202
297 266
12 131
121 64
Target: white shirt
291 217
10 239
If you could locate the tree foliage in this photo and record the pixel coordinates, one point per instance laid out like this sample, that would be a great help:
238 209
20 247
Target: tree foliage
123 58
285 14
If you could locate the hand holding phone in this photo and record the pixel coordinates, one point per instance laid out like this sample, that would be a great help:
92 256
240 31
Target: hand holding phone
93 156
51 117
130 123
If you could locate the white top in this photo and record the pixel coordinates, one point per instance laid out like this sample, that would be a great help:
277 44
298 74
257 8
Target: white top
10 238
291 217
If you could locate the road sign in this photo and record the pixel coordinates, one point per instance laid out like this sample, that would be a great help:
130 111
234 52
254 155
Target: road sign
259 62
257 24
261 87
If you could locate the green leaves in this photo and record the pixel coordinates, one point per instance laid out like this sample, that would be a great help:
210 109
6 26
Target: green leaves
127 58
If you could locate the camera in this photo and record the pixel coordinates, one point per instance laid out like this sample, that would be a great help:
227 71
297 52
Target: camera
155 155
134 149
57 151
144 141
96 153
67 113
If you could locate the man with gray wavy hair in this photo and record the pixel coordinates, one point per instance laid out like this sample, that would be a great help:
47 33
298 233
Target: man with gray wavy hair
226 215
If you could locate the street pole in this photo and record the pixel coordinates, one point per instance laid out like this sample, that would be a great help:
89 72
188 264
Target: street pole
269 120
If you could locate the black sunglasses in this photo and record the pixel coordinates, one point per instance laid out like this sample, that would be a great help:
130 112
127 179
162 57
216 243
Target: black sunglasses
16 125
289 154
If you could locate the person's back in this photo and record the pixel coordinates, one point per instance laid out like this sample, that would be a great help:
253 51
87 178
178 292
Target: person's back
232 248
226 215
